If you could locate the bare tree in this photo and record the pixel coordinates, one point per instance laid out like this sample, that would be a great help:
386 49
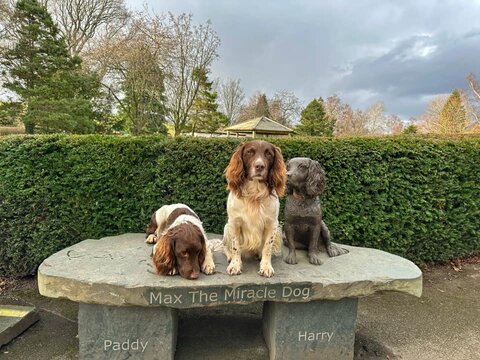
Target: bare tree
194 47
347 121
257 105
231 98
376 119
7 25
285 107
359 124
248 110
379 123
471 106
438 118
472 82
82 20
372 121
4 9
395 124
5 13
131 68
333 107
428 121
179 48
472 102
344 120
342 114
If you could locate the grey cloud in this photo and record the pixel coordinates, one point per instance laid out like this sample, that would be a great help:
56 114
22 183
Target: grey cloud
361 50
416 67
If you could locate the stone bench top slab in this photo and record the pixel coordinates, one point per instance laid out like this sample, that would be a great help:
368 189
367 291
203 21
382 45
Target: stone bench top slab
118 271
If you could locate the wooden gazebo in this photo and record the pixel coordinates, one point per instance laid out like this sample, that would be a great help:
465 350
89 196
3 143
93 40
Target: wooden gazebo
261 126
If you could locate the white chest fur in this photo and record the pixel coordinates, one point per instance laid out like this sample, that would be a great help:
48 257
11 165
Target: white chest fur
255 214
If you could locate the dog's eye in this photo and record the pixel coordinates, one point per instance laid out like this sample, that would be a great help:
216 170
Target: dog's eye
250 152
184 254
268 154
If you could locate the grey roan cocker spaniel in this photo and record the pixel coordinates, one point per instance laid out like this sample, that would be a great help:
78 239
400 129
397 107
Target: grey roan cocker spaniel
304 227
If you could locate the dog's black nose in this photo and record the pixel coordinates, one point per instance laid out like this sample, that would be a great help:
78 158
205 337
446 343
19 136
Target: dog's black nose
259 167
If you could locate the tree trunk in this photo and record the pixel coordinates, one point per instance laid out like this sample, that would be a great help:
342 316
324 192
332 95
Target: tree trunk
29 128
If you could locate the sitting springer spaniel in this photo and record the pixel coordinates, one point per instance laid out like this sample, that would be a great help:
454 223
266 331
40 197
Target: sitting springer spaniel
256 177
181 244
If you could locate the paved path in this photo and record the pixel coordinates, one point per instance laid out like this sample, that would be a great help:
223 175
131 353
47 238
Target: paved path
442 325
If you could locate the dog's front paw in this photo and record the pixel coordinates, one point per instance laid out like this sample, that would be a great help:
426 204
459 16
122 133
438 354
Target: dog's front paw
266 270
234 268
151 239
334 250
172 272
314 258
291 258
208 267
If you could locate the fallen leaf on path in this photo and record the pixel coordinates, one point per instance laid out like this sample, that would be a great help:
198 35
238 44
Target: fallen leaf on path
456 267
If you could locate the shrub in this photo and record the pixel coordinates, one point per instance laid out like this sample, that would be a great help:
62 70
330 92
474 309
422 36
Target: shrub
414 196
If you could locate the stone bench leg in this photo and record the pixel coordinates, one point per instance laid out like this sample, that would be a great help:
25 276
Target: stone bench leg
322 329
126 332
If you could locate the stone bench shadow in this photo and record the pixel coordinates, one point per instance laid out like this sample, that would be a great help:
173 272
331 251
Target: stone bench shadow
221 332
128 311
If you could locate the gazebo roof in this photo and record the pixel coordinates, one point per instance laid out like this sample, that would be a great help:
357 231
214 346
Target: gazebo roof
260 125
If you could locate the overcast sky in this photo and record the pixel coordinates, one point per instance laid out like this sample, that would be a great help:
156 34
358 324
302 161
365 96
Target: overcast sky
400 52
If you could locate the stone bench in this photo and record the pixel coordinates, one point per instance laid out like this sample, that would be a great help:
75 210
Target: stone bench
127 311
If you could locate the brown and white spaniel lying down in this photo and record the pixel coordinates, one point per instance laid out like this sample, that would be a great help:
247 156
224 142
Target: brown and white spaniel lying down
181 245
256 177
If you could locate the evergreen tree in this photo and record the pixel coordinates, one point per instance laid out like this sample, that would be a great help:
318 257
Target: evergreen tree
410 130
262 108
314 121
9 113
63 103
205 115
453 119
55 91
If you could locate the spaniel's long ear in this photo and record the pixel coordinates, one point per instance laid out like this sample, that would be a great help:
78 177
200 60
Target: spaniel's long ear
164 256
235 172
203 252
278 173
315 180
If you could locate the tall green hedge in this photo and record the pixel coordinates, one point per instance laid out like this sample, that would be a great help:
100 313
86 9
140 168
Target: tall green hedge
416 197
